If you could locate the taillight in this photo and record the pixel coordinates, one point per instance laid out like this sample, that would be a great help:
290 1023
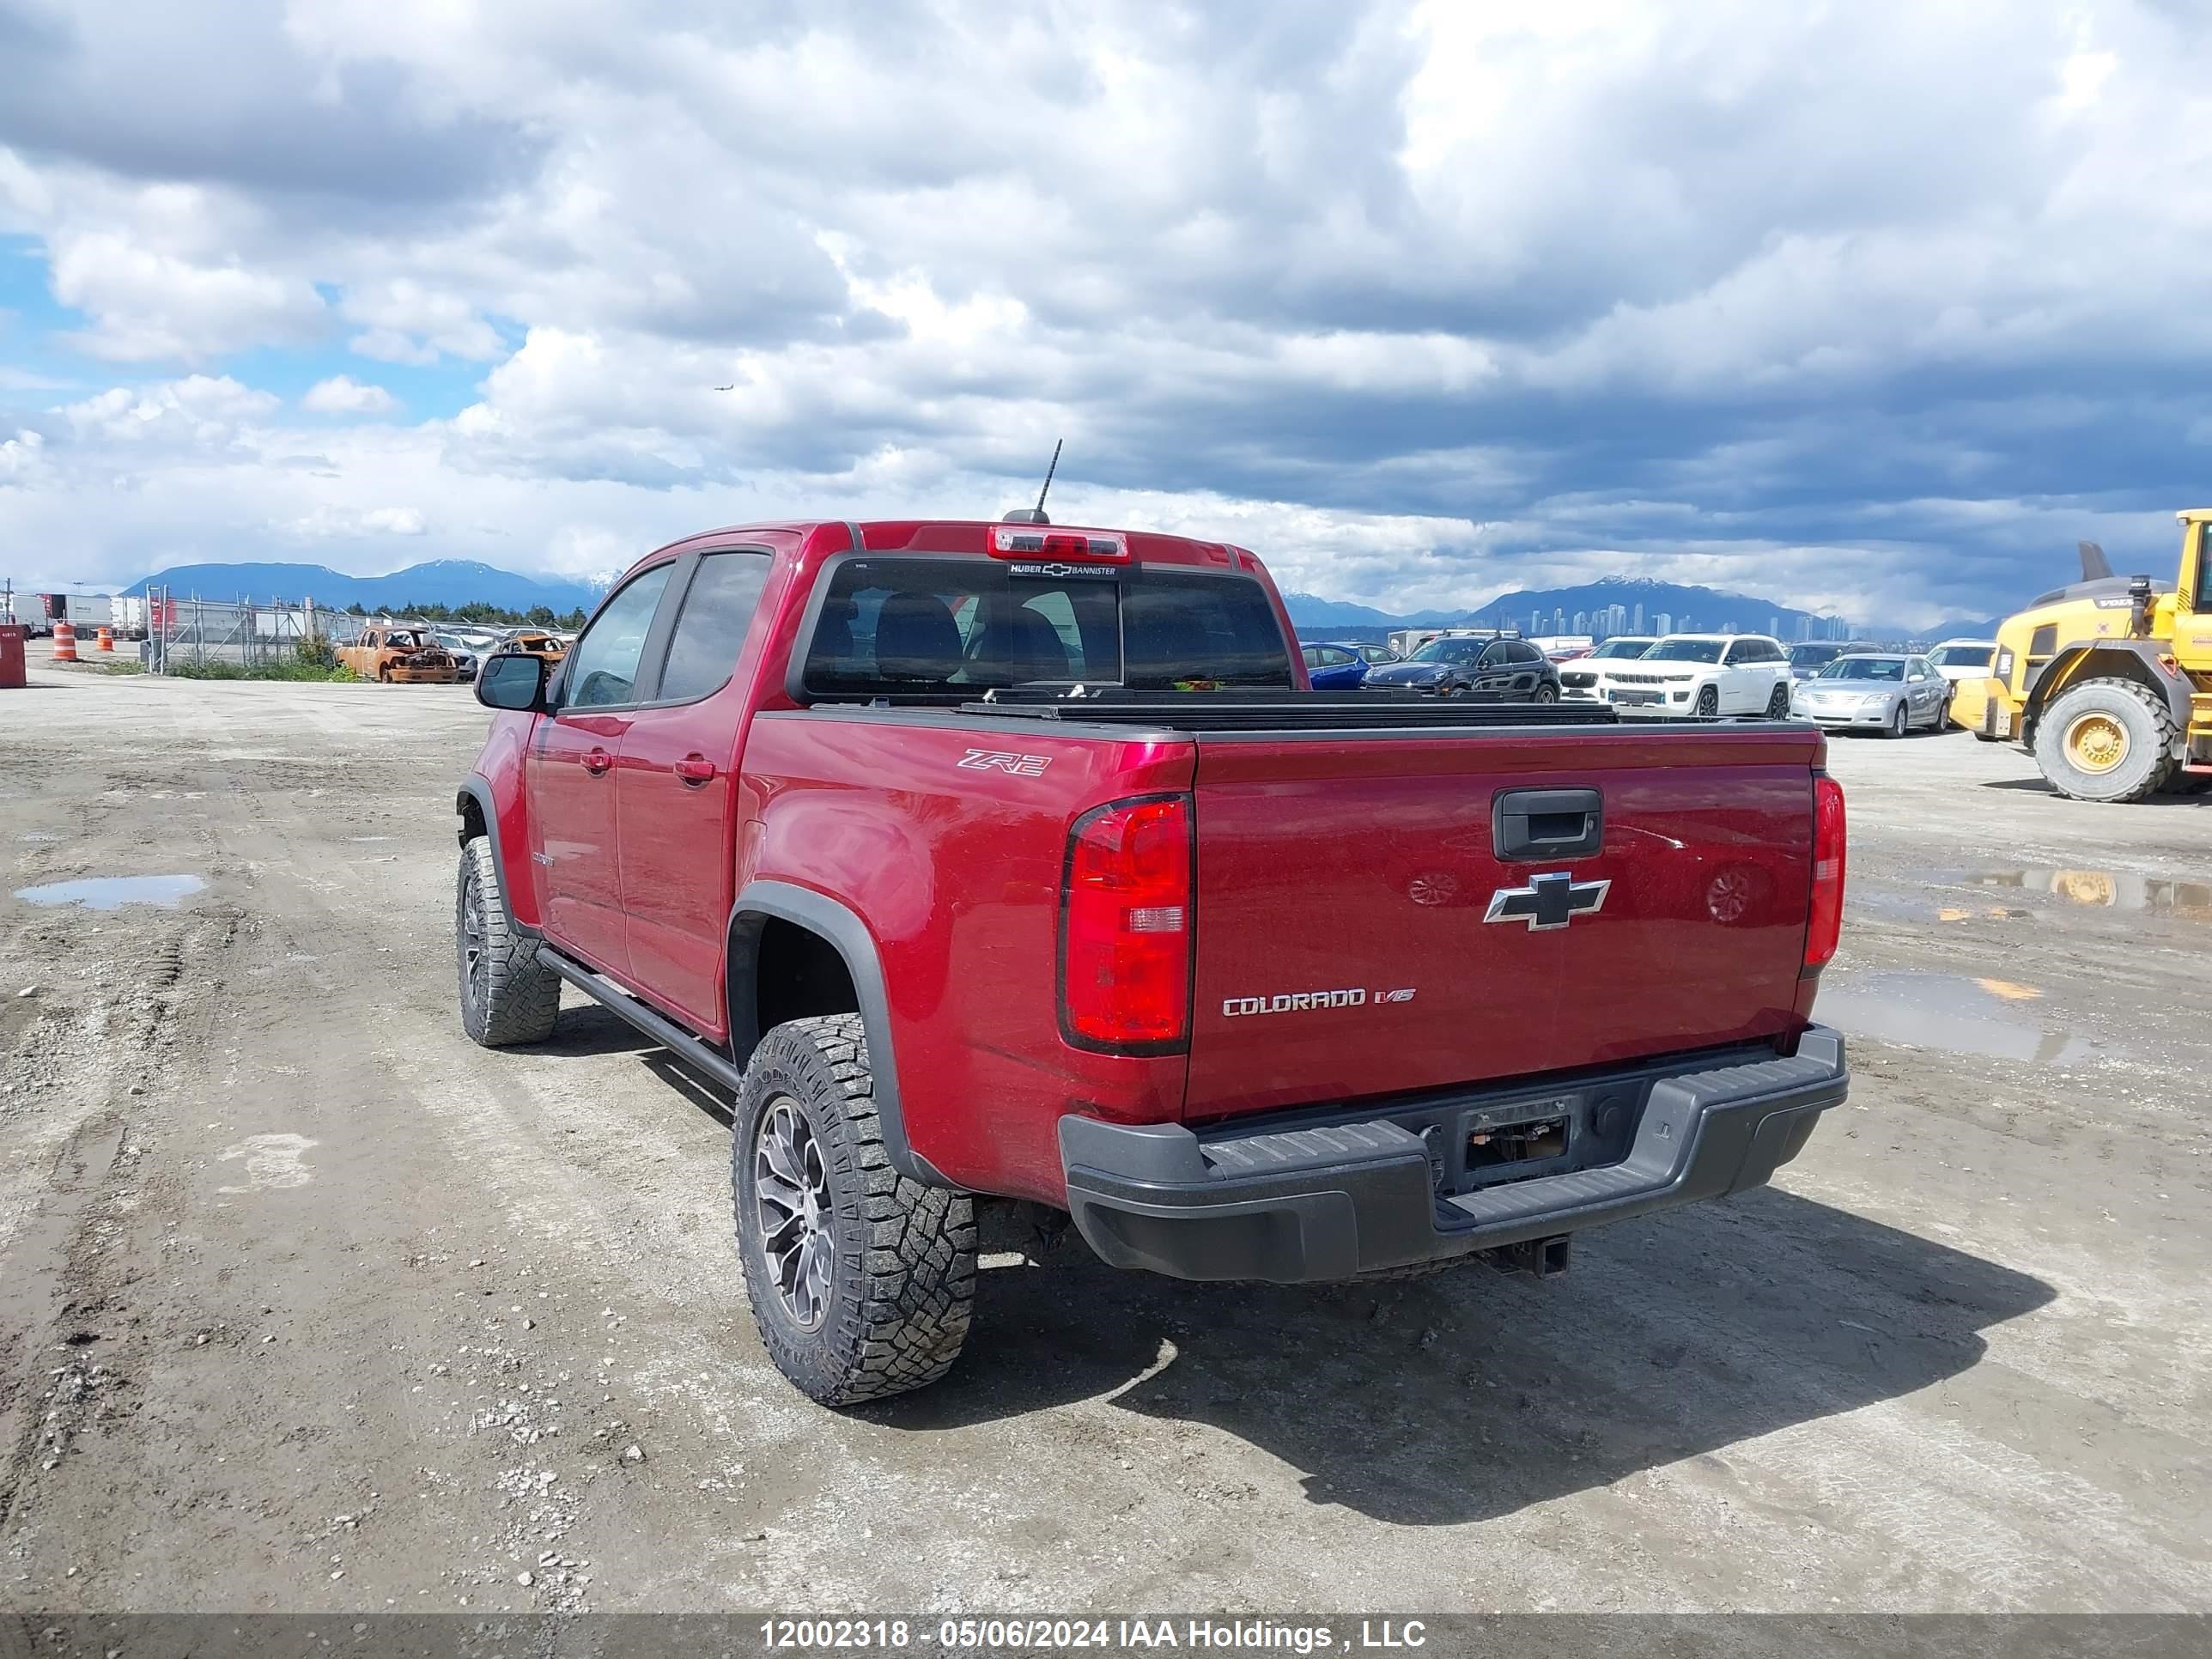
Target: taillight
1824 926
1125 927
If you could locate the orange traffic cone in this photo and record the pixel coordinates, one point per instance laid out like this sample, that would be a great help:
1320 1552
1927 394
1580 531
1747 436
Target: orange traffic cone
106 641
64 642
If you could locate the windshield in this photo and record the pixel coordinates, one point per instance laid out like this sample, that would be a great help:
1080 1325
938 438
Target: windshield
890 626
1961 656
1685 651
1450 651
1616 648
405 639
1864 668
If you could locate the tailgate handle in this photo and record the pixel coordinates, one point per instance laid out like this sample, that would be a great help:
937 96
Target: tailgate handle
1547 823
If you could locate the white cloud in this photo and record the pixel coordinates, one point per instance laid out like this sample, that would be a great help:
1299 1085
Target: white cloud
327 522
342 395
148 305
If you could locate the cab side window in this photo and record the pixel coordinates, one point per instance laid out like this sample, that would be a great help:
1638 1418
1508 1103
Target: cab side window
2201 602
602 671
718 609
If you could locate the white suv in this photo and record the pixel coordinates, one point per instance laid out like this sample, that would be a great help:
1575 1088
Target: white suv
1703 674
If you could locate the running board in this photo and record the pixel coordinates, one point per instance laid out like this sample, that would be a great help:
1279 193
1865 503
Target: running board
694 1053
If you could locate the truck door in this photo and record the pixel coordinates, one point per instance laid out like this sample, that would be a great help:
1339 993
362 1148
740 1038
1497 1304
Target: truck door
676 786
571 774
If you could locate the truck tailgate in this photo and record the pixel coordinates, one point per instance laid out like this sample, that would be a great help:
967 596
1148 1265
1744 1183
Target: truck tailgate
1344 881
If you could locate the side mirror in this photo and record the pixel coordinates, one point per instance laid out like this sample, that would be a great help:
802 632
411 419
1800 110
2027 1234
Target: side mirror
513 682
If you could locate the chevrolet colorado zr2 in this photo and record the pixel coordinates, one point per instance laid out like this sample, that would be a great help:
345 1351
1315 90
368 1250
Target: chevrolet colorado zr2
1015 861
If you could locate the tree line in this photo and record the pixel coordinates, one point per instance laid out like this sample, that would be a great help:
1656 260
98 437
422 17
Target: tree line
538 616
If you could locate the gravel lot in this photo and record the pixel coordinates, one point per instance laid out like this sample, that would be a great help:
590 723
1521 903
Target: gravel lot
306 1304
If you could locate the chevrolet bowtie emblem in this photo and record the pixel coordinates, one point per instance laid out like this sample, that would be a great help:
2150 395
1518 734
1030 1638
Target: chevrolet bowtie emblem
1547 901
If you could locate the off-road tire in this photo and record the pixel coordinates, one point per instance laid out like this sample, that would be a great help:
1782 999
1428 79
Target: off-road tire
1777 703
517 999
903 1281
2140 711
1709 702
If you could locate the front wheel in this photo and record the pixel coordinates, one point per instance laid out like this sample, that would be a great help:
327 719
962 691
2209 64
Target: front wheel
2110 740
1777 703
1709 702
861 1280
507 995
1901 721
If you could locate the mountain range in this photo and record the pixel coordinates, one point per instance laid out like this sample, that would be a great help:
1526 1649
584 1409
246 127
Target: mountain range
1705 609
440 582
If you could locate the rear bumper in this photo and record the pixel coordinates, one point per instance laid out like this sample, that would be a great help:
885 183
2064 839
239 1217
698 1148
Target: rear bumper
1337 1196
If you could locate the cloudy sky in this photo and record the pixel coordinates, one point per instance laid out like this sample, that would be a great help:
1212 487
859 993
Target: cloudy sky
1870 306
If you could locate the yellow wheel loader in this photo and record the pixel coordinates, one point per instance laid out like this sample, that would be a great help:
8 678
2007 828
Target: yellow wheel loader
2108 681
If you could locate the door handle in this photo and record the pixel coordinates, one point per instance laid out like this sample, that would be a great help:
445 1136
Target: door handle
596 762
695 769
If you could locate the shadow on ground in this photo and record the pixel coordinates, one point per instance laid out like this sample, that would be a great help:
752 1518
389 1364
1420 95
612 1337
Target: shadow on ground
1474 1394
2039 787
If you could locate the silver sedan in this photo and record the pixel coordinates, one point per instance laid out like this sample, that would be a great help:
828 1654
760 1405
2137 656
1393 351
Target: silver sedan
1885 693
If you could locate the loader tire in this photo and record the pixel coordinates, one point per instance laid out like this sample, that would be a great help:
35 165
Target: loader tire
861 1280
2106 740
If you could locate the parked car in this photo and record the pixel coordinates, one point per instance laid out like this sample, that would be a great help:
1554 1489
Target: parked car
548 648
1578 677
400 656
1480 665
464 656
1957 660
799 807
1332 667
1878 693
1703 674
1808 657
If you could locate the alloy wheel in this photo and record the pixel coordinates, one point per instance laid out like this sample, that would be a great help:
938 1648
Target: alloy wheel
792 1207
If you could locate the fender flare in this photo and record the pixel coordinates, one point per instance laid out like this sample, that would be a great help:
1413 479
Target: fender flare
2176 687
477 788
820 914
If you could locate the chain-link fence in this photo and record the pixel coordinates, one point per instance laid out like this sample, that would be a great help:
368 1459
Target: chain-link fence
248 633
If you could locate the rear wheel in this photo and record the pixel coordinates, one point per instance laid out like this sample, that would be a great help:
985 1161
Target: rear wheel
1547 694
2110 740
861 1281
1709 702
506 996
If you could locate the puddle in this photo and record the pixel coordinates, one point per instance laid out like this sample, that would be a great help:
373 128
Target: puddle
1919 907
112 892
2102 890
1954 1013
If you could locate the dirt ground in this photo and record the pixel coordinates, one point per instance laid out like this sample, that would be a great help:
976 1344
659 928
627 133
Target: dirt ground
306 1304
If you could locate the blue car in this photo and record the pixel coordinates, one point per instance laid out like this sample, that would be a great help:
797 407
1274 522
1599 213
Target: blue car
1332 666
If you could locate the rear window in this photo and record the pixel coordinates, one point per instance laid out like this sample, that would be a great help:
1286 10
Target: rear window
906 626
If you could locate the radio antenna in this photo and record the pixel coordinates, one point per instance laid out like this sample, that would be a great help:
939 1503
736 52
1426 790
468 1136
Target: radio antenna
1048 471
1035 515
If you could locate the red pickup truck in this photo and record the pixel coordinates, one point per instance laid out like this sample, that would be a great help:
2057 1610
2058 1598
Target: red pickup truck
1014 861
